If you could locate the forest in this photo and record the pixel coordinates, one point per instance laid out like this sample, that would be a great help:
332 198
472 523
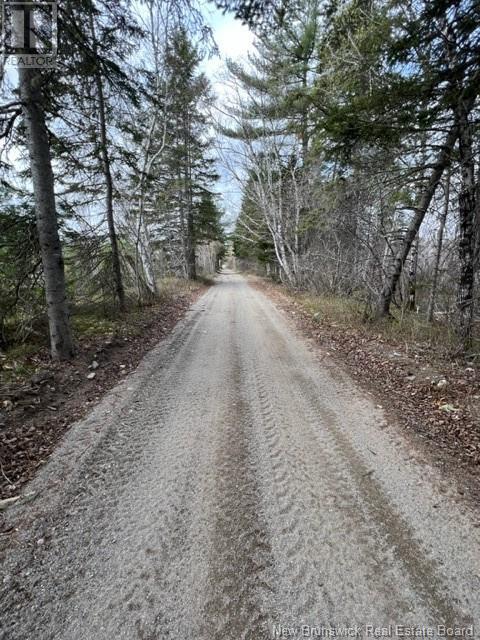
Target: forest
351 130
357 123
239 319
107 170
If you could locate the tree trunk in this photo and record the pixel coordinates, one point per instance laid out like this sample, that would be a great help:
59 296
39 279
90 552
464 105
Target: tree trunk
191 266
438 250
190 230
476 225
466 241
107 173
144 261
442 161
61 342
412 277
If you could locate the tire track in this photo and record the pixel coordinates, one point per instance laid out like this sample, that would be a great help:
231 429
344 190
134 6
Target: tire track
117 483
238 602
383 538
233 492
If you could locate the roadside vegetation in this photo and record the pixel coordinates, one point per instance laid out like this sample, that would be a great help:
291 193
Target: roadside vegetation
110 221
357 126
410 329
107 172
407 368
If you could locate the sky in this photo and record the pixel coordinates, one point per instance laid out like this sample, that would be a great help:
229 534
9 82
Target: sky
234 41
233 37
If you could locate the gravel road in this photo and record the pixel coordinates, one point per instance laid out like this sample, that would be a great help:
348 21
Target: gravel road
237 485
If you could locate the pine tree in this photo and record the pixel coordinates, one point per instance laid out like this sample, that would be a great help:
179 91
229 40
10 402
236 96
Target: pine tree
185 170
279 82
95 100
408 85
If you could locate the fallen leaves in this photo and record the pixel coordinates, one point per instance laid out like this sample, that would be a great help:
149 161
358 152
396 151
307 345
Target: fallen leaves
439 399
8 501
36 410
449 408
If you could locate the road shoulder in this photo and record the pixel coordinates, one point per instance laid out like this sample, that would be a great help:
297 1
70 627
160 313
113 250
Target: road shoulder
39 411
437 423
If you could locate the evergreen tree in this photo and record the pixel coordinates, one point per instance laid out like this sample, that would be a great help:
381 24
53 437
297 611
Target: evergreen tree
185 171
279 82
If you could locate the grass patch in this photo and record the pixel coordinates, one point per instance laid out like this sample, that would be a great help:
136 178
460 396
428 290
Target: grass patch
332 310
406 328
15 363
92 325
169 286
412 328
94 319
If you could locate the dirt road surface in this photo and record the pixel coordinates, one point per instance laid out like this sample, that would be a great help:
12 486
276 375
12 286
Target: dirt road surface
236 486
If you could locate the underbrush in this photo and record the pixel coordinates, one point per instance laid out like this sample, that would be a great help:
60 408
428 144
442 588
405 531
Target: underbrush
410 329
91 320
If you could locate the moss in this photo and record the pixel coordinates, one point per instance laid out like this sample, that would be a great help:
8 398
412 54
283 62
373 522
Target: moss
93 325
